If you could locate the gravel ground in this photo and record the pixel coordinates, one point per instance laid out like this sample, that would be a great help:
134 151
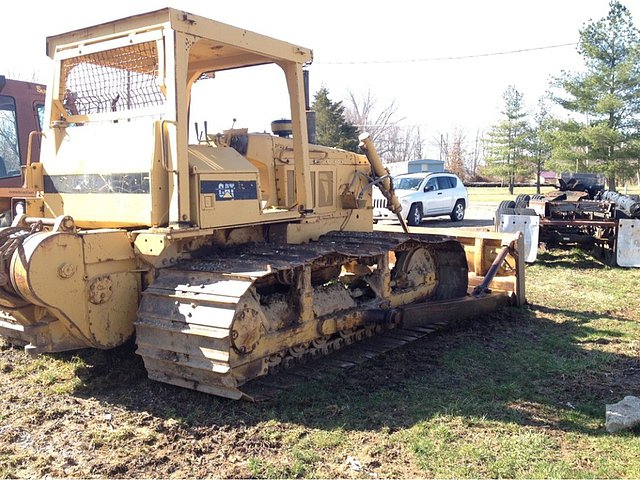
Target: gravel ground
478 215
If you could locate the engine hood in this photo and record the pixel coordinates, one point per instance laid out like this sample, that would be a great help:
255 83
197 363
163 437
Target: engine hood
399 193
405 193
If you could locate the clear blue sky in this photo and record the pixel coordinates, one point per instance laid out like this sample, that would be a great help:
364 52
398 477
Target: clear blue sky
388 47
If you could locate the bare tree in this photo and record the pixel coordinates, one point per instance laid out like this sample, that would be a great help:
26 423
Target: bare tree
403 143
395 143
362 112
453 152
458 156
32 77
476 155
9 154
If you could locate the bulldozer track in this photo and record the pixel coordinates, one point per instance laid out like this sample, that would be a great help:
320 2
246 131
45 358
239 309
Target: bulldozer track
219 323
266 388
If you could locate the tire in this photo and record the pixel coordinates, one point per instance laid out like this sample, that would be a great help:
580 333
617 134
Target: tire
522 200
415 215
503 206
506 204
457 214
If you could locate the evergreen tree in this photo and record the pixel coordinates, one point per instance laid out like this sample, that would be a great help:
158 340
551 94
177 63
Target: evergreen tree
332 130
607 94
507 141
569 147
540 139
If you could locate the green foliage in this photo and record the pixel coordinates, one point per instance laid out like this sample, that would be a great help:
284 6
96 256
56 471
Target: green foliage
540 138
507 142
332 130
607 93
569 146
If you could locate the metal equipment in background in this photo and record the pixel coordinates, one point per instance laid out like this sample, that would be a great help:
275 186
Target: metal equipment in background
605 223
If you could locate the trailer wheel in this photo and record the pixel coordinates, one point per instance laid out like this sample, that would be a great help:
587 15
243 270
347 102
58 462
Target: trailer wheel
522 200
503 207
505 204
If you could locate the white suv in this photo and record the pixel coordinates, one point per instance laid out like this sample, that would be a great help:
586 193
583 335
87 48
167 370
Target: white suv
424 195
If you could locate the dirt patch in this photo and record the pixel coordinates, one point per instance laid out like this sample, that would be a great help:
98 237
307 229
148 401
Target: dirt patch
541 369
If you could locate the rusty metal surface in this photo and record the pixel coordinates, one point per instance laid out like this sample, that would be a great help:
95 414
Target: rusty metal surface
592 224
551 222
439 314
420 321
216 322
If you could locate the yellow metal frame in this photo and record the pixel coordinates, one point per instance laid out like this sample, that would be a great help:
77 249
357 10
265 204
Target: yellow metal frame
189 45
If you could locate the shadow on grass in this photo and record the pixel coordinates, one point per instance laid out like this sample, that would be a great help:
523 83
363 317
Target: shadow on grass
516 366
530 371
570 258
580 317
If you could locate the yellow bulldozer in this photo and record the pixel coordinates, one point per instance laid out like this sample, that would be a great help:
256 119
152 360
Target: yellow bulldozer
229 257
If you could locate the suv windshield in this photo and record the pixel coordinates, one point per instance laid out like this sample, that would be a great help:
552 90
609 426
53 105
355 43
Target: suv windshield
406 183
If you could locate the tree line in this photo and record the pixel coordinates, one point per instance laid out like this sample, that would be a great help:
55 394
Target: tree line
597 129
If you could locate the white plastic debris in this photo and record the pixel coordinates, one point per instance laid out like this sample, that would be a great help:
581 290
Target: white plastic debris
354 464
622 415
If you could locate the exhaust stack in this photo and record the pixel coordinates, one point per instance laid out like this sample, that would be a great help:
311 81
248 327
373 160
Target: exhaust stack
385 185
311 115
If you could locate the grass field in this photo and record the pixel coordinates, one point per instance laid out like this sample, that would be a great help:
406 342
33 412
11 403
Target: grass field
497 194
520 393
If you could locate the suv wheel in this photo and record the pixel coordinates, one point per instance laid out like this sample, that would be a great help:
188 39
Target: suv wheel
415 215
457 215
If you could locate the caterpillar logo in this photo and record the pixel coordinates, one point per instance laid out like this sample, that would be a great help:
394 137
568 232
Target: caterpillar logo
226 190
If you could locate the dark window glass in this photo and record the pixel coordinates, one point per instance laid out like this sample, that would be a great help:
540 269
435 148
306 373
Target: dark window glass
40 114
431 185
445 182
406 183
9 147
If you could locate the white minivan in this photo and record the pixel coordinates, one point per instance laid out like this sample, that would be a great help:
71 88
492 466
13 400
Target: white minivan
422 195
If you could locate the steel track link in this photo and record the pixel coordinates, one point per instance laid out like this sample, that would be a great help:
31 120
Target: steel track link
265 388
187 336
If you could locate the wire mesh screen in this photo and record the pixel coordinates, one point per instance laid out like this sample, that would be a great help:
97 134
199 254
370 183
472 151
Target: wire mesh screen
114 80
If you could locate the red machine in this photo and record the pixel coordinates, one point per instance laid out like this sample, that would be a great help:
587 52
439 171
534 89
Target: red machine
21 111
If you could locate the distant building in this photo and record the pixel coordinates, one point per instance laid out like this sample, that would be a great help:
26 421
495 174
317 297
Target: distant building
415 166
548 178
